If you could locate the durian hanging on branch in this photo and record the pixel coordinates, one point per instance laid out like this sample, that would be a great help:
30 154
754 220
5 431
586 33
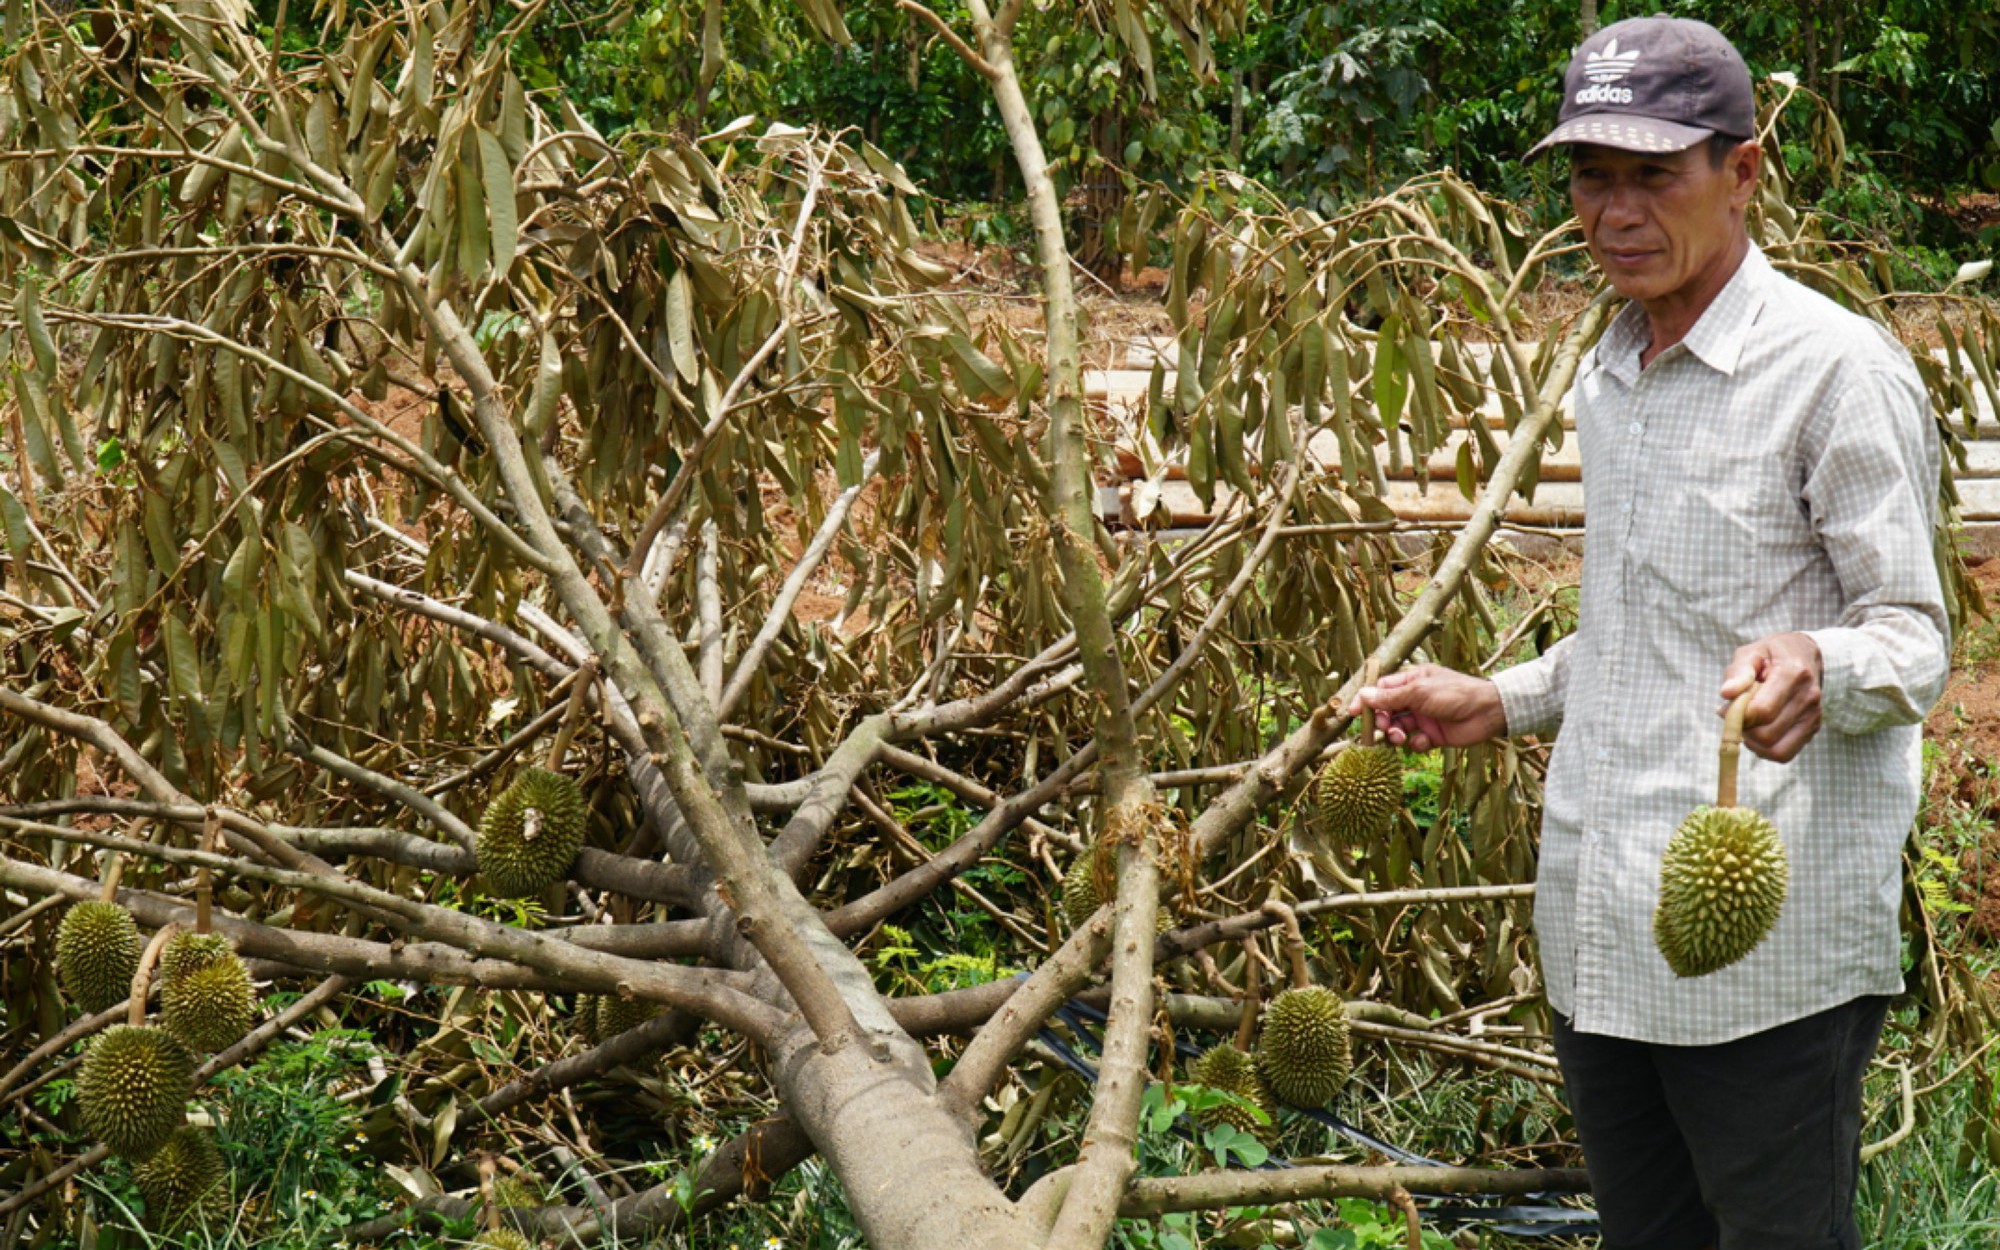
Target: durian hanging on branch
133 1089
1724 876
1230 1068
531 833
1305 1050
207 1001
97 948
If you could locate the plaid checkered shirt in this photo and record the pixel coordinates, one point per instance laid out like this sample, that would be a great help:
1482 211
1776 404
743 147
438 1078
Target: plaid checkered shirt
1776 470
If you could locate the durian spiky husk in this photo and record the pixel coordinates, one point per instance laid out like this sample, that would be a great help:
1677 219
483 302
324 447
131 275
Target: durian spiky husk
188 952
1722 885
585 1019
502 1239
616 1015
133 1088
1080 897
516 862
1304 1051
1223 1067
1359 792
522 1189
184 1181
97 953
210 1007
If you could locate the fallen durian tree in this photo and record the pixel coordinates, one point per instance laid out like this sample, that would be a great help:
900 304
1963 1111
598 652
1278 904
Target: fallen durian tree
420 496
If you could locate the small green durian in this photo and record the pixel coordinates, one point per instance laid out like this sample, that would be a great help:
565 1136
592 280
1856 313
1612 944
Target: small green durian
616 1014
1304 1050
1359 792
531 833
1080 897
1225 1068
184 1181
209 1007
187 952
134 1088
97 954
1722 884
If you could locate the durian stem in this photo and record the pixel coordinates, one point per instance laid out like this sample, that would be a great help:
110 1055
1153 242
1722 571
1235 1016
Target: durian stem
204 884
1400 1199
142 980
112 871
1253 985
1371 672
579 695
1295 940
1732 747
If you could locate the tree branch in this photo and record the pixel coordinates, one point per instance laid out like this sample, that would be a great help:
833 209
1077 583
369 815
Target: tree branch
965 52
388 787
788 594
1210 1191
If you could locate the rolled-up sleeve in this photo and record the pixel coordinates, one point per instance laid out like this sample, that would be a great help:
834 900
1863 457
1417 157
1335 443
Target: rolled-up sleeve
1871 488
1532 694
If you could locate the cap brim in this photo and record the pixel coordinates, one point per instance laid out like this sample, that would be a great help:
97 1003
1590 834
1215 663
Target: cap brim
1624 131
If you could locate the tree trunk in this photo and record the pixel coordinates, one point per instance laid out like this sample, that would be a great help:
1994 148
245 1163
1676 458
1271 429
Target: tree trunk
1587 17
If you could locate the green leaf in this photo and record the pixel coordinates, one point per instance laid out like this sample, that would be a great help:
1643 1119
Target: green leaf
499 200
28 304
680 327
472 232
183 658
982 379
1392 378
14 528
34 406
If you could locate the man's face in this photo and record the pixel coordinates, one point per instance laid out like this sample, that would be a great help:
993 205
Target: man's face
1661 224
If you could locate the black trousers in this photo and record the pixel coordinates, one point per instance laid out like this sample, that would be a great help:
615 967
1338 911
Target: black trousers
1748 1145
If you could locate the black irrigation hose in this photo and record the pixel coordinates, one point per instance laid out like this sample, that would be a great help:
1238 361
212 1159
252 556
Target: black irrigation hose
1519 1220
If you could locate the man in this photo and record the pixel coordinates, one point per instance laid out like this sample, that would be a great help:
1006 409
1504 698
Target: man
1761 470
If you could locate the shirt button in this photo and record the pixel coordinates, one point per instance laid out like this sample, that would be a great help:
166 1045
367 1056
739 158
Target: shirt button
1593 837
1636 427
1604 753
1626 506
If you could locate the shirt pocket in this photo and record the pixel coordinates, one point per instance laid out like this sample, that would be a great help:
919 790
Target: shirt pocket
1695 549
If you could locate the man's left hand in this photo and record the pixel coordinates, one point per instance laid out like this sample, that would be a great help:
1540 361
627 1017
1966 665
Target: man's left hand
1785 713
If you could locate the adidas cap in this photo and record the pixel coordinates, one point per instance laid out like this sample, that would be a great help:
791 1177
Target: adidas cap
1654 84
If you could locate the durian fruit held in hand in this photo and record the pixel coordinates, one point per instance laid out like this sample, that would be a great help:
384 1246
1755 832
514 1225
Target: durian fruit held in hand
97 953
183 1181
531 833
1225 1068
209 1006
1359 792
1722 885
1724 875
1304 1051
133 1089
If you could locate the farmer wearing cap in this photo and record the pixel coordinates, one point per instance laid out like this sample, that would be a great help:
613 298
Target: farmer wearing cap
1761 470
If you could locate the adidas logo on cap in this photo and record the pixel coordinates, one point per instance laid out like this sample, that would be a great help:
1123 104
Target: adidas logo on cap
1603 69
1610 65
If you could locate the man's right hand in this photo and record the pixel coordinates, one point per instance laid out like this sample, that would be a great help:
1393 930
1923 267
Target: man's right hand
1431 706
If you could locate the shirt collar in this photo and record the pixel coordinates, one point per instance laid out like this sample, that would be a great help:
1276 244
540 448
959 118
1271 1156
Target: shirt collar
1717 338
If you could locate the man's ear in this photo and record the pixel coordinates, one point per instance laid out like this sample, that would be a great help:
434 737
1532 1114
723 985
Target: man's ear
1746 162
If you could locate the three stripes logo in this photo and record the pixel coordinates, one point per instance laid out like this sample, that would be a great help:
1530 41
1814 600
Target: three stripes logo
1605 68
